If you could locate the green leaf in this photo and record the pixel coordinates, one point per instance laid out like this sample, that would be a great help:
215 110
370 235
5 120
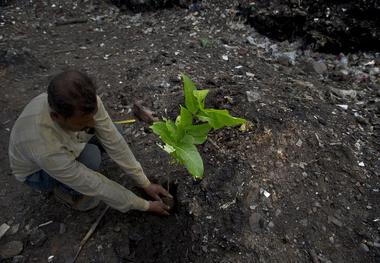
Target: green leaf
199 132
171 127
186 118
188 155
190 101
205 42
219 118
200 96
160 128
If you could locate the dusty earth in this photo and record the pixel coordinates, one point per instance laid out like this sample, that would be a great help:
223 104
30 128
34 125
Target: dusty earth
301 186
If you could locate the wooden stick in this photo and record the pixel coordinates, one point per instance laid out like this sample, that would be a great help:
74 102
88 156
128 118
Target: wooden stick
90 232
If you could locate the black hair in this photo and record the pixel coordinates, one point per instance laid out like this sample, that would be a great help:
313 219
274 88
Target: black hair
72 92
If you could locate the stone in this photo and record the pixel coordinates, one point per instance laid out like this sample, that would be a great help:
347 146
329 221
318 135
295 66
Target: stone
284 60
252 96
11 249
335 221
364 247
3 229
319 67
62 228
271 224
278 212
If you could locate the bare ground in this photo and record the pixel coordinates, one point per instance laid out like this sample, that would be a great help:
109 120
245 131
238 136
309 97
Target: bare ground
304 150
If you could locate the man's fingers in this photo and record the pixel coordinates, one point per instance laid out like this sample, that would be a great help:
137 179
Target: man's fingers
157 197
165 193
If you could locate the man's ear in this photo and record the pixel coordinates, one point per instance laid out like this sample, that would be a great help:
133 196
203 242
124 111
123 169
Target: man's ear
54 115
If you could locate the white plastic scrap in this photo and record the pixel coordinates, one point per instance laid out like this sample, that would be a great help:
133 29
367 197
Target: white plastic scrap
226 205
343 106
264 192
225 57
361 164
50 258
251 40
370 63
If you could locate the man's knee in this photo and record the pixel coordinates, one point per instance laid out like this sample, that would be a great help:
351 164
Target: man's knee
91 157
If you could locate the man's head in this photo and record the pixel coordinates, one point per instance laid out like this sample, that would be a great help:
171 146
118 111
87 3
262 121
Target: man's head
72 99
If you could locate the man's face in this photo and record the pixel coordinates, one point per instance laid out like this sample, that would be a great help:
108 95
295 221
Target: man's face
75 123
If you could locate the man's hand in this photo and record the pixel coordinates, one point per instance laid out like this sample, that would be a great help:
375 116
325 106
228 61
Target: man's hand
158 207
155 190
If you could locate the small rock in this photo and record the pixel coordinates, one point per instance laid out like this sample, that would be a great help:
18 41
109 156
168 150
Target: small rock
364 247
249 74
62 228
11 249
284 60
204 249
271 224
277 213
117 229
37 237
252 96
3 229
299 143
319 67
345 94
335 221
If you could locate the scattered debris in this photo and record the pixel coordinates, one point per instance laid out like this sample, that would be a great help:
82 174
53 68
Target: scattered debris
3 229
45 224
264 192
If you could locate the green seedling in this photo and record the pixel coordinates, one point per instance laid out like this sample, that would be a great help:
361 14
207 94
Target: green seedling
191 128
205 42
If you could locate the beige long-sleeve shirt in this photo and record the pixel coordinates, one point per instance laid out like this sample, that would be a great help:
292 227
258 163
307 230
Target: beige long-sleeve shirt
38 143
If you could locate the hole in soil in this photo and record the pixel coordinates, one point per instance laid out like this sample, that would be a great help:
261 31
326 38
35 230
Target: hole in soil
171 186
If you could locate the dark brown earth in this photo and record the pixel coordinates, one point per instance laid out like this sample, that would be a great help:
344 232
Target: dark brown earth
293 189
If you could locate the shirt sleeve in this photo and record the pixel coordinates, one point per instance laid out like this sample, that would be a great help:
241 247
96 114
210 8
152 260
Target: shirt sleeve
116 146
63 167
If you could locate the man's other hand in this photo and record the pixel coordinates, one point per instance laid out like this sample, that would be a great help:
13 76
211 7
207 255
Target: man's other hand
155 190
159 208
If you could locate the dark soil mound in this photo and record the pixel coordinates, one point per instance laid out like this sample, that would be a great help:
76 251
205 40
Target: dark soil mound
329 26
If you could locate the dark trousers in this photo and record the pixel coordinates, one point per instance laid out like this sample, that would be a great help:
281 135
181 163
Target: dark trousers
41 181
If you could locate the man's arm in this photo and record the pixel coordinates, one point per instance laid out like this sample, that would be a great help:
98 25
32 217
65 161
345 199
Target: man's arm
116 146
63 167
